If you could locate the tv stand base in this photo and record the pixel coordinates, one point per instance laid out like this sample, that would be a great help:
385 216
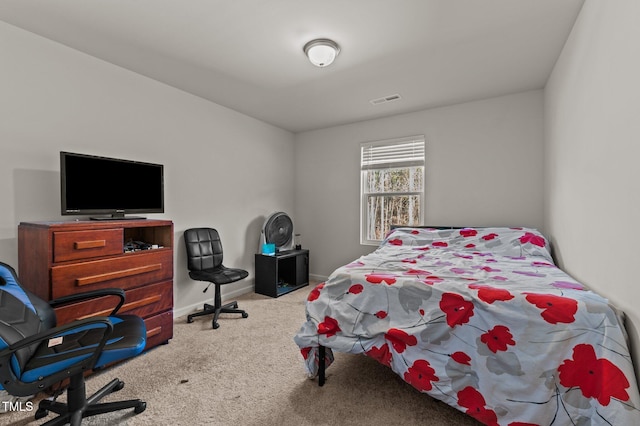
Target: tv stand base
114 217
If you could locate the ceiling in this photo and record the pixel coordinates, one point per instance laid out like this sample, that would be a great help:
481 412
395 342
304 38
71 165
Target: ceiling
247 54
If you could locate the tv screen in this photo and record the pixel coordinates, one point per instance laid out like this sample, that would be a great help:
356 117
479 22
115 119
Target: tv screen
109 186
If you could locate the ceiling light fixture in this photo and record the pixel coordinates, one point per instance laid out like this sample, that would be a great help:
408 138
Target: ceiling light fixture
321 52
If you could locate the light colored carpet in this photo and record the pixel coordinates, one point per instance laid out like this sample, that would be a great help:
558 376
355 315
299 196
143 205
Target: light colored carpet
249 371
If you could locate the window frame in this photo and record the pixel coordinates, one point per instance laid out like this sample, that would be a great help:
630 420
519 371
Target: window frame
413 157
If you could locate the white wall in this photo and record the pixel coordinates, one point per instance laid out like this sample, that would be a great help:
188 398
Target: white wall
592 190
484 165
222 168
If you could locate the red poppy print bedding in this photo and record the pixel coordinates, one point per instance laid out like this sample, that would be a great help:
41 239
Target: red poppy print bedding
483 320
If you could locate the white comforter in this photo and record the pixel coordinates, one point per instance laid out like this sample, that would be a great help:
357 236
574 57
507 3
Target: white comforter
483 320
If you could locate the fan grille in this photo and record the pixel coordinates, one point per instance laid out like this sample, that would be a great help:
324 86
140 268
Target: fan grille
278 230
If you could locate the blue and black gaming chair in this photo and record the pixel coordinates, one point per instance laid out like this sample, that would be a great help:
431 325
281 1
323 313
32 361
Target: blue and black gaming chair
35 354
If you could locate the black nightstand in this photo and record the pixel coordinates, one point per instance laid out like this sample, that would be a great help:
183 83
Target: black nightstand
282 273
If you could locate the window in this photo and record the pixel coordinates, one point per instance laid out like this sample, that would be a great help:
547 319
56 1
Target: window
392 186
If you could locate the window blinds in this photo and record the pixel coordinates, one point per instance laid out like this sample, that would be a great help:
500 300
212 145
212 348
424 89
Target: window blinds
404 152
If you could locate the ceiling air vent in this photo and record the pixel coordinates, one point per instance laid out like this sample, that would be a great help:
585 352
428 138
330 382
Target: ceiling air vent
385 99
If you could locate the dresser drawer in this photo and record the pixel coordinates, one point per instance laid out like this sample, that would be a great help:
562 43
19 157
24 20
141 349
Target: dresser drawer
143 302
159 329
127 271
76 245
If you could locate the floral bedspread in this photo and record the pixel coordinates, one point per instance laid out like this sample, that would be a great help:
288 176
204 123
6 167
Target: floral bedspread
483 320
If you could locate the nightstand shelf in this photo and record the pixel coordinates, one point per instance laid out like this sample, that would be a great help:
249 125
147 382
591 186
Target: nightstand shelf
282 273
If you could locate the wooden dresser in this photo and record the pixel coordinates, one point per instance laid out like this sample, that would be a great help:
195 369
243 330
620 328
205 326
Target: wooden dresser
56 259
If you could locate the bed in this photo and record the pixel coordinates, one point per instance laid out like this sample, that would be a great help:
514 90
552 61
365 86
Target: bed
483 320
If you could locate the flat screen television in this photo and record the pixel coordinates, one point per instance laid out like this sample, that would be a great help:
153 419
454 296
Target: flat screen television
93 185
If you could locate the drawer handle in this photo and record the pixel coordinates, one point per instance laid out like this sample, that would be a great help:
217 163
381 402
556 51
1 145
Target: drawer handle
81 245
139 303
93 279
126 307
154 332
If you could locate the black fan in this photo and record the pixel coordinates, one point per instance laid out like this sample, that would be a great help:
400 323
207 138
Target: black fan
278 230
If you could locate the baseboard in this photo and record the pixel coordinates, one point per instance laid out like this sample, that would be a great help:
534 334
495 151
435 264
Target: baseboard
319 278
248 287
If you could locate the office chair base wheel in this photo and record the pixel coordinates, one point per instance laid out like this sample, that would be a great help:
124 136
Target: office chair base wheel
40 413
119 386
140 407
216 325
189 320
245 315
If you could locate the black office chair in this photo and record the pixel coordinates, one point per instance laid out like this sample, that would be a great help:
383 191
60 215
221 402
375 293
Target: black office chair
204 261
35 354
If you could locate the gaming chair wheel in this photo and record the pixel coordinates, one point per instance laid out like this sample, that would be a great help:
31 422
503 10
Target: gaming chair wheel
119 386
40 413
140 407
245 315
215 325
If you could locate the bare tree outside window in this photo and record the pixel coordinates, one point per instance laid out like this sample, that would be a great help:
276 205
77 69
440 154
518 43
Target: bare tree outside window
392 186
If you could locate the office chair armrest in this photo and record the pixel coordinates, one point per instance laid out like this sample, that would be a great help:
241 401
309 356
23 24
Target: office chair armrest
17 387
91 295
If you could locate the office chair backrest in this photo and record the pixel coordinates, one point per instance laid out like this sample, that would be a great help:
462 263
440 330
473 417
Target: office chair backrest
21 314
204 249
